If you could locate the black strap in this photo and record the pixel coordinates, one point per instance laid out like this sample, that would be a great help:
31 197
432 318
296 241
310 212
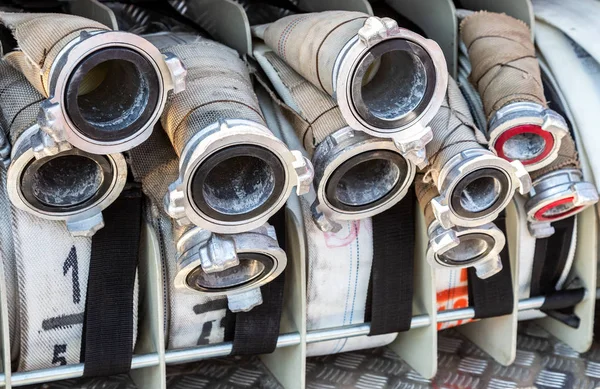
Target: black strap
256 331
561 306
107 341
390 292
493 296
550 258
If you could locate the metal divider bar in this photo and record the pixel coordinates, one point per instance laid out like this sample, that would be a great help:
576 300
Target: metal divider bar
224 349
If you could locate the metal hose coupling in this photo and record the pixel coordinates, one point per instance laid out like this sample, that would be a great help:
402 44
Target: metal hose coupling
233 265
388 81
559 191
356 175
72 185
507 75
459 247
474 184
234 174
105 89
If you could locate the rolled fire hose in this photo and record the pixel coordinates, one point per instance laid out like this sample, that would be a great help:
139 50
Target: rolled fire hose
356 175
506 73
200 264
73 185
233 172
356 59
559 191
336 290
474 184
459 247
105 89
46 273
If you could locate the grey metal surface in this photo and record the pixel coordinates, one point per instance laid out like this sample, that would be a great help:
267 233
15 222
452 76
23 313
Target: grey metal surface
542 362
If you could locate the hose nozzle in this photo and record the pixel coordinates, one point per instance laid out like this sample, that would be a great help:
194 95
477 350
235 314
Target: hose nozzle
233 265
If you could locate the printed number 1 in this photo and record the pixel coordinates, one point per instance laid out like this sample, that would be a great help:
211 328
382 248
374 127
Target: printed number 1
58 350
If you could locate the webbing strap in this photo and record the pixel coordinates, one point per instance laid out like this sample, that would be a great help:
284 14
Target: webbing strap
256 331
493 296
550 257
107 341
390 293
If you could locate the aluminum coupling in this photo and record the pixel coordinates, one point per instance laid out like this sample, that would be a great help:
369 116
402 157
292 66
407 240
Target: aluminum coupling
390 82
475 186
106 90
233 176
527 132
462 247
71 185
557 195
357 176
233 265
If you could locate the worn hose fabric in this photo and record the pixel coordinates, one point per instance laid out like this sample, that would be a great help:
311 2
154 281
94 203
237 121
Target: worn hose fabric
339 269
504 66
191 319
7 255
318 115
311 42
19 102
425 192
567 158
155 165
218 87
453 131
40 39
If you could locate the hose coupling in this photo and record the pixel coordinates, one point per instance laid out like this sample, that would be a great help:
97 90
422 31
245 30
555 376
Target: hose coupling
389 82
555 196
357 176
70 185
233 176
475 186
462 247
527 132
233 265
106 90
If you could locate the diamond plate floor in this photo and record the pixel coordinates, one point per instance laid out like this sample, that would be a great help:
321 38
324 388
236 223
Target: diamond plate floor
542 362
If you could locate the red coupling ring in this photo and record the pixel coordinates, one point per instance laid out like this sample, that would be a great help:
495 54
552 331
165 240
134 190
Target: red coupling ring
539 215
524 129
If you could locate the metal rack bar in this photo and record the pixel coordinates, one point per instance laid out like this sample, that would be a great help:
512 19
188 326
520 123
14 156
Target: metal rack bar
224 349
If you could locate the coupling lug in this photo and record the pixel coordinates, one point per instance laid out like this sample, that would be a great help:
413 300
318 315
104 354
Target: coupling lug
174 203
413 148
442 212
376 29
244 302
51 120
522 177
86 227
324 223
305 172
584 193
486 269
541 229
444 241
44 145
177 71
219 254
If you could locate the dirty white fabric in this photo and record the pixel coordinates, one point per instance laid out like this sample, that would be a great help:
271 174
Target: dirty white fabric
578 19
568 62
